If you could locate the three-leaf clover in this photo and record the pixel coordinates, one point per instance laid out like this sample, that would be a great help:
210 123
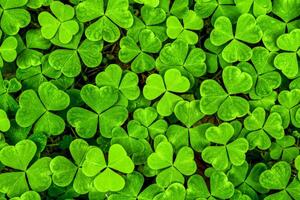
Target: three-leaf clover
68 60
13 16
215 99
63 24
105 112
106 27
287 61
284 149
261 128
156 86
190 134
38 109
105 178
29 56
289 107
191 21
246 178
65 172
7 87
126 83
142 61
171 171
220 187
246 31
190 62
37 176
148 119
278 178
265 77
224 153
133 186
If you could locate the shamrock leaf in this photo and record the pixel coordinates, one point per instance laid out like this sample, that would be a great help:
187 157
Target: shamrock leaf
277 178
261 128
7 87
188 113
288 108
142 61
197 188
106 179
62 24
246 31
148 118
68 60
156 86
177 55
126 83
66 172
4 121
105 112
37 176
215 99
35 109
246 179
162 159
220 156
175 191
8 50
29 195
13 16
106 27
266 79
284 149
191 22
217 8
287 60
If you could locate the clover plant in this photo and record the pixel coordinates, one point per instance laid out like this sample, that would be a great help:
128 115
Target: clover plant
150 99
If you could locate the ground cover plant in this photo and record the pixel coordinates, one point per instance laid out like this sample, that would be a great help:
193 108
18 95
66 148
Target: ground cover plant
150 99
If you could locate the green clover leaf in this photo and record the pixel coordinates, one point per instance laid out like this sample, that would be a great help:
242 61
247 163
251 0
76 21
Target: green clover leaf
102 101
105 178
29 195
4 121
287 60
162 159
297 165
7 87
106 27
246 179
190 134
63 25
221 156
68 60
191 21
277 178
197 188
215 99
288 107
156 86
36 109
246 31
261 128
266 78
18 158
284 149
142 61
177 55
126 83
66 172
13 16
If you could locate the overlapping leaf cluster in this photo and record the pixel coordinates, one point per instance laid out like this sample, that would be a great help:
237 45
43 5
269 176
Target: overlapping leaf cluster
150 99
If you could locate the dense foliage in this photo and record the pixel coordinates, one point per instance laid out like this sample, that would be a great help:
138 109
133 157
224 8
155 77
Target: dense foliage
150 99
